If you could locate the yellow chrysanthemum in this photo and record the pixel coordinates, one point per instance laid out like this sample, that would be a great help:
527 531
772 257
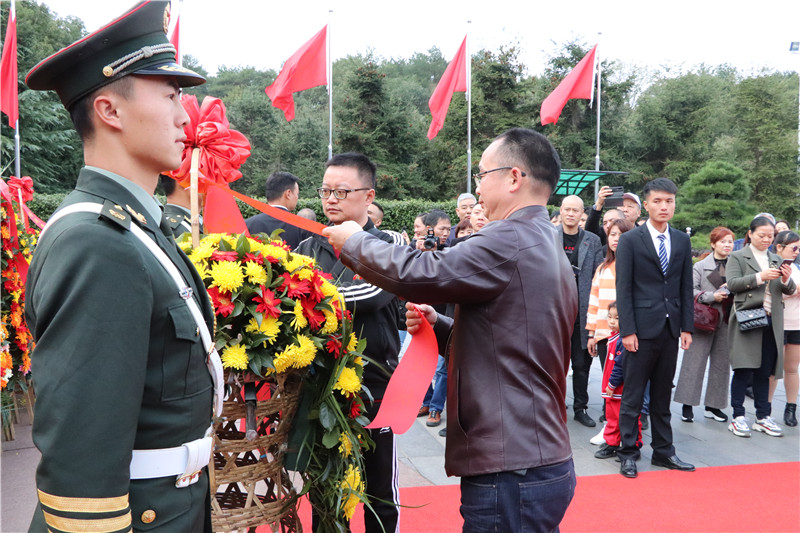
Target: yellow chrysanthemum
345 445
304 352
331 323
256 274
299 321
270 326
353 343
329 289
295 263
235 357
358 361
353 485
202 252
274 251
305 273
282 361
348 383
227 275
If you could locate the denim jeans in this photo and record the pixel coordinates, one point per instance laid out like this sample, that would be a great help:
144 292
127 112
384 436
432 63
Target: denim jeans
439 386
533 500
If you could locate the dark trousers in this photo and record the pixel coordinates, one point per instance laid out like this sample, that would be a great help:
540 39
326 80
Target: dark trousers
532 500
581 364
654 361
382 486
759 376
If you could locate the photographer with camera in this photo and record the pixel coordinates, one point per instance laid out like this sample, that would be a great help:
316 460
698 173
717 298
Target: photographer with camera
437 230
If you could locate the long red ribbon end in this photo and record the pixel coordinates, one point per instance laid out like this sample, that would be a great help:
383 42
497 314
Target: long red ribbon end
408 384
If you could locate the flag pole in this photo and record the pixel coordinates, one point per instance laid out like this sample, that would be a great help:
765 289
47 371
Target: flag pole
469 112
597 144
330 86
16 149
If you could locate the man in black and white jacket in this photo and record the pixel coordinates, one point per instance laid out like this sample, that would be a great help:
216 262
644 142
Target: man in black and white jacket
348 188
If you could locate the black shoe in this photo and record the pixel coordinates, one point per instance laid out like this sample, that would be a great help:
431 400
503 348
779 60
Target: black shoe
645 424
673 463
687 415
628 468
606 452
443 432
716 414
602 418
789 417
583 417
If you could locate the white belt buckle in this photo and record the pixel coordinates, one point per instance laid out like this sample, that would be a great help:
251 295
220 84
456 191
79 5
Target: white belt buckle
185 481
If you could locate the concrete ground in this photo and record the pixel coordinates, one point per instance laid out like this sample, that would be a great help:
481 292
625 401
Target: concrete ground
704 442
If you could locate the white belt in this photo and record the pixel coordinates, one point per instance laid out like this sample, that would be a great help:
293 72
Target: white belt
184 461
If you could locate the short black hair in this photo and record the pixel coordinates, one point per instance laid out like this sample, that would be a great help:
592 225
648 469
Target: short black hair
659 184
379 206
434 216
786 237
278 183
366 168
167 183
81 111
533 153
612 305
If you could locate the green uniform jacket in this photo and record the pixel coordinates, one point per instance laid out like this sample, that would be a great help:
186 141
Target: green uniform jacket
118 365
179 220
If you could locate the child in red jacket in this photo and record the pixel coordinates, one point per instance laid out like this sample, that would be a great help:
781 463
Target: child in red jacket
612 386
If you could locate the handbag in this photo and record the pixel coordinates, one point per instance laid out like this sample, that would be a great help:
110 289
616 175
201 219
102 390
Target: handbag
706 318
751 319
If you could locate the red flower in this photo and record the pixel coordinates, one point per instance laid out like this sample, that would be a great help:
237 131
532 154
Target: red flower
255 258
355 408
223 305
224 256
315 317
334 346
295 287
267 303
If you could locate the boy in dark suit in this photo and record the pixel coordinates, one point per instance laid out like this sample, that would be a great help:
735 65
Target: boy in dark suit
654 294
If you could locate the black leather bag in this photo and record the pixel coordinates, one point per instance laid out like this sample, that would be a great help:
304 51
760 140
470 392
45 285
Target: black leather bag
751 319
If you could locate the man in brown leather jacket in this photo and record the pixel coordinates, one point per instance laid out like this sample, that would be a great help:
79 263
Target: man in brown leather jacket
508 346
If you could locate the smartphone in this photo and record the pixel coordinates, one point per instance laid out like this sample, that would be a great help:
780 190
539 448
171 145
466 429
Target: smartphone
615 200
787 262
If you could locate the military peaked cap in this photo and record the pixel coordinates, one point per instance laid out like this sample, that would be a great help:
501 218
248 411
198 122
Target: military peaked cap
134 43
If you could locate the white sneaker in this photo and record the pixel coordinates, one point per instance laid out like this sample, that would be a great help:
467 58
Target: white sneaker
598 439
767 425
739 427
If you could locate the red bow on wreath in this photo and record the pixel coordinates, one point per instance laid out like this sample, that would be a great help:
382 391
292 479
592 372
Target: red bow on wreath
222 152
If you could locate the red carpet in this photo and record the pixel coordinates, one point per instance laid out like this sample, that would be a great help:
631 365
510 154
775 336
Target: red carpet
742 498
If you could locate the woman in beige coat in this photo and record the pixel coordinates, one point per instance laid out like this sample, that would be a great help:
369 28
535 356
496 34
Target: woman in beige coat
756 281
708 346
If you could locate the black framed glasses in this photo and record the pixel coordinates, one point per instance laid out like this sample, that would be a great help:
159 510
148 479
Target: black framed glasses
339 194
480 175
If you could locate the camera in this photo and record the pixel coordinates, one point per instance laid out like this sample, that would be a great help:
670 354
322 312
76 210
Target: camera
431 240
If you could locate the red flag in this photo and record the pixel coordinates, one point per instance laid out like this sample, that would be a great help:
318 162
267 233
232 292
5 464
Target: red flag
9 103
175 39
454 79
307 68
578 84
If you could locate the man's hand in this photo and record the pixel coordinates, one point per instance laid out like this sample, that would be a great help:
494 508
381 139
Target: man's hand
686 340
631 342
604 192
414 319
337 235
591 345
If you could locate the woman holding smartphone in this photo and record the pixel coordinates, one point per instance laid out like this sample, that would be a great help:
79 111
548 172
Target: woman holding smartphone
787 245
757 279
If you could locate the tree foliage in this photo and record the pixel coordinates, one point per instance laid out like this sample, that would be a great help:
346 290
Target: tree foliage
693 127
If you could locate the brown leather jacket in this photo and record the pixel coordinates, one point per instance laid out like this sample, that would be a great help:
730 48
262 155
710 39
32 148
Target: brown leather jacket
516 303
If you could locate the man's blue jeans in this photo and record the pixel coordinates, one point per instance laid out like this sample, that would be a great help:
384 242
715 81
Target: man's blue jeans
534 500
437 395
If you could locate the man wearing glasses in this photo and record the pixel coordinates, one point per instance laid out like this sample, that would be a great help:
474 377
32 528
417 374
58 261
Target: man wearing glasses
348 188
509 344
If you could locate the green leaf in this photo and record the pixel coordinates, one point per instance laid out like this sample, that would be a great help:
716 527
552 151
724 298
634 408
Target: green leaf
330 439
238 307
242 245
326 417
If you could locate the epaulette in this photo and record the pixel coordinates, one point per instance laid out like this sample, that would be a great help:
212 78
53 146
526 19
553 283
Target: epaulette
175 221
115 213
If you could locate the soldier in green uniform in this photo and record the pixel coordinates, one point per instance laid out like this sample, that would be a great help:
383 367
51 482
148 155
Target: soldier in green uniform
124 377
177 210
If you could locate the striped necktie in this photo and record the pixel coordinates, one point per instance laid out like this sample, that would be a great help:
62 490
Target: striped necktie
662 253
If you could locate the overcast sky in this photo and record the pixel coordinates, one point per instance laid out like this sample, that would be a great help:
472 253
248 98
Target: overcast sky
678 34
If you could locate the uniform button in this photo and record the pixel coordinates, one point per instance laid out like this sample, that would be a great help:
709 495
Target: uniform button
148 516
196 332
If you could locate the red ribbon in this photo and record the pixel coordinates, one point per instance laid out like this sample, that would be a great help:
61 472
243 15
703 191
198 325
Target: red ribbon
19 260
409 382
222 150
